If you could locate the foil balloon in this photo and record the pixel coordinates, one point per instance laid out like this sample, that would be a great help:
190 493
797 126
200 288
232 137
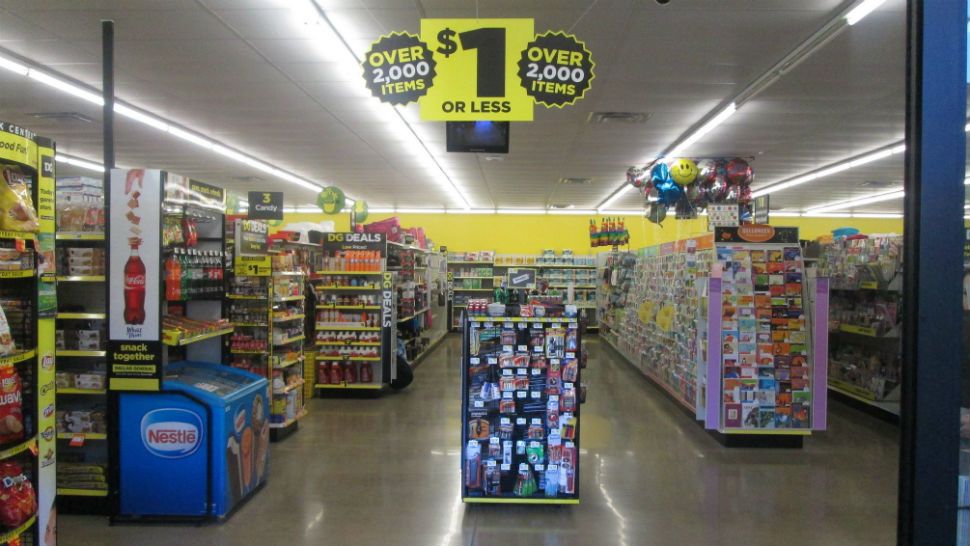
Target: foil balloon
683 172
738 172
659 174
719 190
706 172
744 194
669 193
634 177
657 212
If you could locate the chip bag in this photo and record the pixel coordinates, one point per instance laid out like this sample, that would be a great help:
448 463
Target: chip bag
18 500
7 345
16 208
11 406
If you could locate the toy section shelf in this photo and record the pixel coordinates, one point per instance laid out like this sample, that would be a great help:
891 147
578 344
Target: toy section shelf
865 322
520 439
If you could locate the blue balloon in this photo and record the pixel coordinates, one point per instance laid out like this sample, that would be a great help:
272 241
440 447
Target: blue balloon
670 192
660 174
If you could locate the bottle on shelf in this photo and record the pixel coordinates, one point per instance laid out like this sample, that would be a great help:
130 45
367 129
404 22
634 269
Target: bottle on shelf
134 287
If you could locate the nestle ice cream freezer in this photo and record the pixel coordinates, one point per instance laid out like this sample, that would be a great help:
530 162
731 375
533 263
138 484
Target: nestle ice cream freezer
196 448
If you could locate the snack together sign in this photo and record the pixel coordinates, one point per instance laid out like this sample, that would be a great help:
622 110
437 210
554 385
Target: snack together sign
478 69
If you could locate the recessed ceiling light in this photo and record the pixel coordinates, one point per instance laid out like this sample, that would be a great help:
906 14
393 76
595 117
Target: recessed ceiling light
61 116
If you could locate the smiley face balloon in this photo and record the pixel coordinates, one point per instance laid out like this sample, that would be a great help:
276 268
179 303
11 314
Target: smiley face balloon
683 172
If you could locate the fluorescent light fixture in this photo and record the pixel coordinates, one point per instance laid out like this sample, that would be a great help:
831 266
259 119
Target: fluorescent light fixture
826 215
381 210
784 214
876 215
859 201
625 188
851 163
472 211
420 211
13 66
861 10
141 117
521 211
577 212
721 116
62 85
621 212
190 137
77 162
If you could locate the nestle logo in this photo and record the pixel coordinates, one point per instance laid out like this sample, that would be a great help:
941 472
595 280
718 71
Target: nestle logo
171 433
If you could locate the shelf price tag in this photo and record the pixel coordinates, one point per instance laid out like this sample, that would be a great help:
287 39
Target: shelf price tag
255 266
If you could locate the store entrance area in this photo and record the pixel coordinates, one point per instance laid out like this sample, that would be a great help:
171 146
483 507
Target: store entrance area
386 471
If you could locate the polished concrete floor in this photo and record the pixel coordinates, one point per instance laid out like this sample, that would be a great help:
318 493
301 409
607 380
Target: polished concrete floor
385 472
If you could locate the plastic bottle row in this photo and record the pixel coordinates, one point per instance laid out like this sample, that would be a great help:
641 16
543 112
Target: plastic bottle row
329 317
349 372
192 273
353 260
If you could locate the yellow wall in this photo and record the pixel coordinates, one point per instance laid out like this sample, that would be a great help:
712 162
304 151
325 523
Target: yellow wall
530 234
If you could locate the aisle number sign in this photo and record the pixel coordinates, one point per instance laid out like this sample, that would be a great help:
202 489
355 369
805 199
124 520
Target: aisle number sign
478 69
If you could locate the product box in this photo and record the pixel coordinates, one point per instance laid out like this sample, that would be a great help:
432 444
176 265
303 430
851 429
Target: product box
90 381
89 340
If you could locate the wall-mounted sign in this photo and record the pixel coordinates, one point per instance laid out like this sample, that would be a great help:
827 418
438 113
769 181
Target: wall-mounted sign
478 69
265 205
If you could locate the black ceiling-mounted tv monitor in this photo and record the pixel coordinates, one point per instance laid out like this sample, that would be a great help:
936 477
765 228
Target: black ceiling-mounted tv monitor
488 137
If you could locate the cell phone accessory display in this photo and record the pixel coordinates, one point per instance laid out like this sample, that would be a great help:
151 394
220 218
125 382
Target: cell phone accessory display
865 319
417 288
520 410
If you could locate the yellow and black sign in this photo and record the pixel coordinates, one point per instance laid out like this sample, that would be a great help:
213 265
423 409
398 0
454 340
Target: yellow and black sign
476 69
18 144
134 365
253 266
556 69
265 205
399 68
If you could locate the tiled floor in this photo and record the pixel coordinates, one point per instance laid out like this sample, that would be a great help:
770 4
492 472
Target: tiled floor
385 472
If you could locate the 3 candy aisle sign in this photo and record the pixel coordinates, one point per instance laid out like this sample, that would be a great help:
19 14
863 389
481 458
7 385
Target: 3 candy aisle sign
478 69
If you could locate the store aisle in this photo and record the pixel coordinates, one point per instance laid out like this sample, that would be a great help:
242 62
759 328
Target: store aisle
385 472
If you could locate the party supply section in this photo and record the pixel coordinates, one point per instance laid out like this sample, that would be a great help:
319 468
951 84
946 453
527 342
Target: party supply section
520 410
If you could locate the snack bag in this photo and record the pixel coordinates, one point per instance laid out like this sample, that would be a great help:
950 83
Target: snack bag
7 345
16 208
18 500
11 406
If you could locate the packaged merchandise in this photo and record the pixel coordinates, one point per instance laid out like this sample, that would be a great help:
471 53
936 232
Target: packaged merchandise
7 345
17 211
11 406
18 500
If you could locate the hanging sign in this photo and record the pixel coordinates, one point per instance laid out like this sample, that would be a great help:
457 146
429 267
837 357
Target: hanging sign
724 215
399 68
760 212
556 69
251 237
522 278
265 205
753 233
477 64
478 69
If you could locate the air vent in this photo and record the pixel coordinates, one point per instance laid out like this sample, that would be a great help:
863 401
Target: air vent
575 181
61 116
561 206
618 117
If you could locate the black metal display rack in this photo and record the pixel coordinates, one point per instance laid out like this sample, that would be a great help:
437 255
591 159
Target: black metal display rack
520 410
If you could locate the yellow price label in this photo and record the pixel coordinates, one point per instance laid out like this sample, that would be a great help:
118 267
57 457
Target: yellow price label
477 66
254 266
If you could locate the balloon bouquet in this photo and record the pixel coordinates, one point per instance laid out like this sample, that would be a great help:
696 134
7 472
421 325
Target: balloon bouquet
690 186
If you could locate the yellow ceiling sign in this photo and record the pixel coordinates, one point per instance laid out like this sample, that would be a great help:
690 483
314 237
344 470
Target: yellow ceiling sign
477 65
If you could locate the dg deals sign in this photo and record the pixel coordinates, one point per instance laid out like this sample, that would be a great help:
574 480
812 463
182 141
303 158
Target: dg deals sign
478 69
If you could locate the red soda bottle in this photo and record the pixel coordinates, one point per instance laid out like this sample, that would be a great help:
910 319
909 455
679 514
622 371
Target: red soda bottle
134 287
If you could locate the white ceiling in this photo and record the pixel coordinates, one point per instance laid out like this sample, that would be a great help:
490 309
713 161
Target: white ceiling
247 74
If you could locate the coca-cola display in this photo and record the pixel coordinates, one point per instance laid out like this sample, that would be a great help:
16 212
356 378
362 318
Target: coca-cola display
134 287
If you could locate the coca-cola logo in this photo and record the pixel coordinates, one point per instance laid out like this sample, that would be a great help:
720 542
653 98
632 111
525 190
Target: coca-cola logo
171 433
134 280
